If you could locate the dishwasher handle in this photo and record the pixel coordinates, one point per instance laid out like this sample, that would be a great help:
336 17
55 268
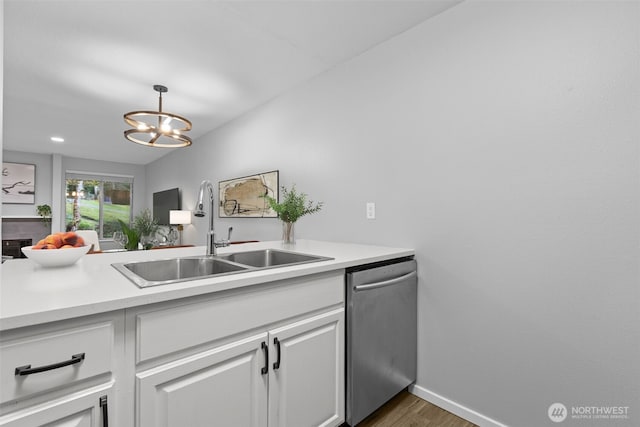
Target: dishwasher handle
382 284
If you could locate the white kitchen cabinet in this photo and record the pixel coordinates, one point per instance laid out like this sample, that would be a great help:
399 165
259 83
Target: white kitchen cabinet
300 374
306 379
87 408
86 350
62 373
224 386
279 361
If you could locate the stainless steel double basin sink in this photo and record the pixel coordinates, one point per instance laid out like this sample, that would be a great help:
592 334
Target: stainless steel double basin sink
165 271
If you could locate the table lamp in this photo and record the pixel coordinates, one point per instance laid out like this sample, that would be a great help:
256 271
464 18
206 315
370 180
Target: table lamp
179 218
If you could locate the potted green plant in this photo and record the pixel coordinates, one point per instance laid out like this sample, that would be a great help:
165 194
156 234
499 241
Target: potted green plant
45 212
146 226
142 230
133 238
294 205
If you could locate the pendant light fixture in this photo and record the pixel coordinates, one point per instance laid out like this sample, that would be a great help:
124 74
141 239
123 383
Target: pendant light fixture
157 128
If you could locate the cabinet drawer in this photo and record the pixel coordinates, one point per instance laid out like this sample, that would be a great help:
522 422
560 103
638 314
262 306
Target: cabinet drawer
85 408
172 329
49 349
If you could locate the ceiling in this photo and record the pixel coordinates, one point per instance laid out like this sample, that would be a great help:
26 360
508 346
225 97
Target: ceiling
73 68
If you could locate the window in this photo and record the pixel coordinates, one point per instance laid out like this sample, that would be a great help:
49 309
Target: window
97 202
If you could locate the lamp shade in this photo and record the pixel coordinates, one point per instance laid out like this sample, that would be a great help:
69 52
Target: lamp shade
179 217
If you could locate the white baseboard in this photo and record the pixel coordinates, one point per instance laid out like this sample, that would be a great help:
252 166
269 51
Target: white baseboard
453 407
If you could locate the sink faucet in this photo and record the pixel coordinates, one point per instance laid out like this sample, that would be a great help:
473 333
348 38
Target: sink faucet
200 212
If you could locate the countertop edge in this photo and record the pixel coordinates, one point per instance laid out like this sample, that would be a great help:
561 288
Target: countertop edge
209 286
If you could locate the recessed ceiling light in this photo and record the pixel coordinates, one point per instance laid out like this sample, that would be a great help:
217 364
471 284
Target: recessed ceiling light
57 139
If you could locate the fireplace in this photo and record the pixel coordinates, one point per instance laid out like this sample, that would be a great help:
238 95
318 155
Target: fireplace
18 232
11 247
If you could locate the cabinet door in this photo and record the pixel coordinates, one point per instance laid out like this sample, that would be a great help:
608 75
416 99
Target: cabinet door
88 408
306 381
224 386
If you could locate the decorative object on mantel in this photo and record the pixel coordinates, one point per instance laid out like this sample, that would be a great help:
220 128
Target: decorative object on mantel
293 206
245 197
45 213
18 183
157 128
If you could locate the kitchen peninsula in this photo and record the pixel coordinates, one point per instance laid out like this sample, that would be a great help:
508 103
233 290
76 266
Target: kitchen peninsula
135 355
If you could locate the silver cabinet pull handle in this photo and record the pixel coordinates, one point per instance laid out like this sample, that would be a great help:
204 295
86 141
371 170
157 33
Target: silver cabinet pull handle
390 282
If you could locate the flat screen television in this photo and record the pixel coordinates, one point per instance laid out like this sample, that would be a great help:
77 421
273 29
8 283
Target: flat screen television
163 202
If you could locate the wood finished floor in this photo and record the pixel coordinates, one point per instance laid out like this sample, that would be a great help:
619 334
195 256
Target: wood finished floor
407 410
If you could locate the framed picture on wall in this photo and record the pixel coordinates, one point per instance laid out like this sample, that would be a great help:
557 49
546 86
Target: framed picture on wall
18 183
244 197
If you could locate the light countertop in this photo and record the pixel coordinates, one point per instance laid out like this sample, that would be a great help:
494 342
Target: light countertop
30 294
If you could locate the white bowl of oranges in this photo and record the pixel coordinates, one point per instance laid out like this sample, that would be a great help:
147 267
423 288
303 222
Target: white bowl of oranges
57 250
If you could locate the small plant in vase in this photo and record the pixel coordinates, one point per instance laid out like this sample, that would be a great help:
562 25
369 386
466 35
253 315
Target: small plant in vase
142 231
133 238
45 212
146 226
294 205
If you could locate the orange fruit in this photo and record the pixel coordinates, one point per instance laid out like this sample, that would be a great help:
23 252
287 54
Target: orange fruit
54 239
69 238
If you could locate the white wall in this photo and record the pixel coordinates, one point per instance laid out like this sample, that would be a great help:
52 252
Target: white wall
500 140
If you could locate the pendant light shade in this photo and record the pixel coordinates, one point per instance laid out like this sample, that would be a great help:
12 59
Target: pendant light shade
157 128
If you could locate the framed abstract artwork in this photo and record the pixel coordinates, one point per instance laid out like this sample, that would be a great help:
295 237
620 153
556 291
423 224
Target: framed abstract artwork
18 183
244 197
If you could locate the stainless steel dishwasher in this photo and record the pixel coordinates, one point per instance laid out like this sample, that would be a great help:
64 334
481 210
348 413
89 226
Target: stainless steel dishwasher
381 334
